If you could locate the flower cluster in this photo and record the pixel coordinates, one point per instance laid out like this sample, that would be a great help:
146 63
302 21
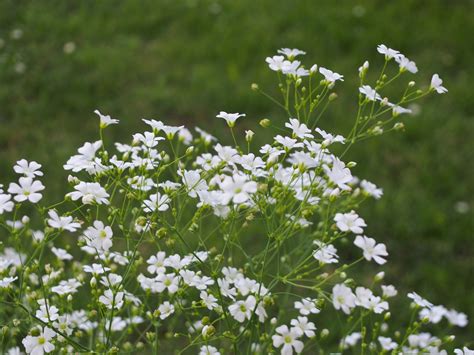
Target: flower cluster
175 240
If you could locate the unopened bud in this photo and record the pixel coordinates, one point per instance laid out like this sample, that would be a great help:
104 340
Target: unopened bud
254 86
190 150
265 123
324 333
379 276
249 135
399 126
208 331
333 96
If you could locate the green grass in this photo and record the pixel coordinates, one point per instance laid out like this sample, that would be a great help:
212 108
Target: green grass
183 61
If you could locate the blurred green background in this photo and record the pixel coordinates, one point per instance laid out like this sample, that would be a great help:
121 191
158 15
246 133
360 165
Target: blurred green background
183 61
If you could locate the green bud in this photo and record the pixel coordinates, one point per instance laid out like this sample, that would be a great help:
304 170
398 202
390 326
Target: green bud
333 96
190 150
254 86
324 333
265 122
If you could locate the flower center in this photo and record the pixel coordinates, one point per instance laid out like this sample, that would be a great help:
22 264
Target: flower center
288 339
41 340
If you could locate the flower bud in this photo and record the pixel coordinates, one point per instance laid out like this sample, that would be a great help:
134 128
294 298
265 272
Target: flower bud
265 123
208 331
399 126
324 333
254 86
190 150
411 84
249 135
379 276
333 96
449 338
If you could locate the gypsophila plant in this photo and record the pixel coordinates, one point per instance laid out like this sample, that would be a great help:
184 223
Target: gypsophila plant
178 243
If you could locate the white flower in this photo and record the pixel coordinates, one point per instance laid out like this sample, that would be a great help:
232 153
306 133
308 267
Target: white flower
456 318
208 350
351 340
276 62
89 192
291 53
29 169
47 313
420 301
95 269
287 142
436 84
105 120
99 236
326 254
349 222
170 131
14 351
330 76
369 93
388 52
242 310
307 306
40 344
387 343
343 298
156 202
303 326
209 300
328 138
398 110
208 138
406 64
26 189
230 118
193 182
167 281
237 188
112 301
433 314
5 282
61 254
464 351
185 136
148 139
339 174
156 263
371 249
62 222
371 189
166 309
289 339
5 204
389 291
299 129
